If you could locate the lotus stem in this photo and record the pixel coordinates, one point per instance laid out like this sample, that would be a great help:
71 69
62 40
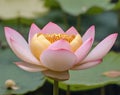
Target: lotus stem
102 91
55 88
68 90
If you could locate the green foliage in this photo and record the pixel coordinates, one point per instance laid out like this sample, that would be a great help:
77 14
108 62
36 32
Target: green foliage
53 4
26 81
93 77
117 6
105 24
77 7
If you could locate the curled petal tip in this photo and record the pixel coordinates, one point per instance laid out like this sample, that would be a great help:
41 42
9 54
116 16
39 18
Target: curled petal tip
72 27
89 33
115 34
10 31
72 31
51 23
33 25
93 26
51 28
7 29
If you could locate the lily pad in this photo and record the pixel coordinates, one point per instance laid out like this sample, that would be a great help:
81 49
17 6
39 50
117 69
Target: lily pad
25 81
77 7
94 77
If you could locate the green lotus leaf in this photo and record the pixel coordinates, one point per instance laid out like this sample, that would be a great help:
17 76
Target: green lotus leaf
93 77
25 81
77 7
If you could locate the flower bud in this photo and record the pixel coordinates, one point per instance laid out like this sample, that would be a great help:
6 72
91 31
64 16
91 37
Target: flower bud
10 84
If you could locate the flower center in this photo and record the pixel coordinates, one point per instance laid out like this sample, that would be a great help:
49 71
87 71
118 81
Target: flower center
41 42
54 37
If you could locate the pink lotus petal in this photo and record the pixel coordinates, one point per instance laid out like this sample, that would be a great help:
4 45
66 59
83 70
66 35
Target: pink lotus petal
60 44
23 52
30 67
13 34
89 33
38 44
82 52
112 73
58 60
57 75
52 28
71 31
102 48
19 46
87 65
33 30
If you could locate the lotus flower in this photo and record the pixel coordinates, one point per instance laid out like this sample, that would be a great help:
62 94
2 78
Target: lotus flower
54 52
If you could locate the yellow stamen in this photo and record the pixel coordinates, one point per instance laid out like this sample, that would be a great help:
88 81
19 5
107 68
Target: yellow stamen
54 37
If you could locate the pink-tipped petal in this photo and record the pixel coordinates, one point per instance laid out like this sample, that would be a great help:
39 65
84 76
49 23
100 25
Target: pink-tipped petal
52 28
87 65
60 44
30 67
82 52
19 46
58 60
57 75
102 48
71 31
89 33
33 30
23 52
13 34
